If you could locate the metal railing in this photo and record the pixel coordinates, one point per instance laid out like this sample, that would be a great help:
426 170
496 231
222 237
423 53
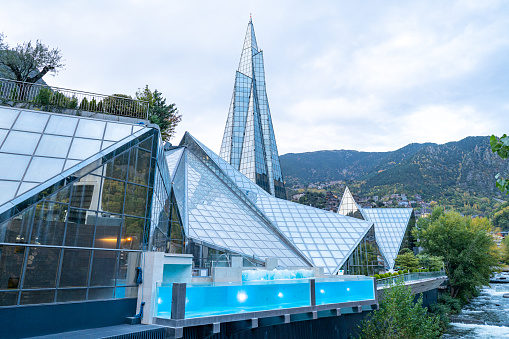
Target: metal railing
409 277
55 99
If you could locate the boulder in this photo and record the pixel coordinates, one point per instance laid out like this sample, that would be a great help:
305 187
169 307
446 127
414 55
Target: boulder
506 295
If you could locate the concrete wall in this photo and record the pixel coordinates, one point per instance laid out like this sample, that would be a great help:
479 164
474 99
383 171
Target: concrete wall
28 321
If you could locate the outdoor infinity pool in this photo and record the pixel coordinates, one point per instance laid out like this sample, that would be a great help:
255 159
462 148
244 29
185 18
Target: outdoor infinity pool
209 299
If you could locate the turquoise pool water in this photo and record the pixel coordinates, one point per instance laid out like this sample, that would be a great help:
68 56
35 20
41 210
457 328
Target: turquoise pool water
227 298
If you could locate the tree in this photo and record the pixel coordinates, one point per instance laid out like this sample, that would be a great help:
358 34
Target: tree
505 250
407 260
29 62
166 116
400 317
430 261
501 147
466 246
501 217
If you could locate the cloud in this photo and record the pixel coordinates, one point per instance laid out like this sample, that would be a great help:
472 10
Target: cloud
340 75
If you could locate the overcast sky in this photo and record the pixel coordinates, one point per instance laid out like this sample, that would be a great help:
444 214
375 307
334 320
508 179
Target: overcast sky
369 75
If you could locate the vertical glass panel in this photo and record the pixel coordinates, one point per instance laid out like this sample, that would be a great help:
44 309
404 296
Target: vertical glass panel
11 264
16 229
112 196
21 142
41 268
60 196
146 144
85 192
41 169
37 297
135 200
117 168
126 273
80 228
107 233
100 293
8 298
139 166
132 233
74 272
71 295
104 264
126 292
49 224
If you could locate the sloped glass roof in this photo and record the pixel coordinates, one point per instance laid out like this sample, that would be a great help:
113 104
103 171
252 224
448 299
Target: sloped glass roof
391 225
348 206
216 215
172 159
36 146
326 238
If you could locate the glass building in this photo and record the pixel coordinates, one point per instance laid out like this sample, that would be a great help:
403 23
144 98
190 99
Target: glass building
225 213
80 200
249 144
393 225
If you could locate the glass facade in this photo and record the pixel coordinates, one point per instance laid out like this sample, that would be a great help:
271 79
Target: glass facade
80 235
366 258
249 144
393 225
322 238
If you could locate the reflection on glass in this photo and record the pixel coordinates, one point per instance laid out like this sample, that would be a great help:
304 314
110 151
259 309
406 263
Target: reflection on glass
8 298
37 297
117 168
11 263
107 231
41 268
80 228
127 273
132 233
104 264
16 229
71 295
135 201
49 224
139 166
74 268
112 196
100 293
85 192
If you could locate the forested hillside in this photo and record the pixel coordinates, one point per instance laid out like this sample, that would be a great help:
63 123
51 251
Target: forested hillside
434 171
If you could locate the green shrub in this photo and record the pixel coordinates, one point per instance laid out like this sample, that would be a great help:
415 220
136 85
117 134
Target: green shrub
453 304
43 97
84 104
377 276
72 103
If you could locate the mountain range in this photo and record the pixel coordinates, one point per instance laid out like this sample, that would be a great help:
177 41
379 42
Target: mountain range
431 170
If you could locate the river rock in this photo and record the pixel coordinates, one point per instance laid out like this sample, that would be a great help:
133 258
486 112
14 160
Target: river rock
506 295
497 305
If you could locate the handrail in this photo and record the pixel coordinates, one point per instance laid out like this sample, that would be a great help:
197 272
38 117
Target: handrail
51 98
409 277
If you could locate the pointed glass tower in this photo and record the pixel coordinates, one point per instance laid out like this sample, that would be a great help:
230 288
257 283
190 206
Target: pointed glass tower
248 143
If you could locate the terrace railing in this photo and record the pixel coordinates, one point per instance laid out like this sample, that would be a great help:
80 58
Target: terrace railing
409 277
55 99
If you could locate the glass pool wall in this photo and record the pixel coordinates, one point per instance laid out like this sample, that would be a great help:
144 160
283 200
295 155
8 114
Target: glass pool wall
208 299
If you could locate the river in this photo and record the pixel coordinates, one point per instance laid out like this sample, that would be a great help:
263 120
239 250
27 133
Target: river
484 309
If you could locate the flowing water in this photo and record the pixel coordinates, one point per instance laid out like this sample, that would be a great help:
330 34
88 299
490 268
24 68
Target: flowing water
486 316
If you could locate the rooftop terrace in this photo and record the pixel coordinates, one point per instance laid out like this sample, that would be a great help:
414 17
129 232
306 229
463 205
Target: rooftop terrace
67 101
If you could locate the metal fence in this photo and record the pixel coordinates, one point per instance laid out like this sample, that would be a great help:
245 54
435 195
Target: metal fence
409 277
55 99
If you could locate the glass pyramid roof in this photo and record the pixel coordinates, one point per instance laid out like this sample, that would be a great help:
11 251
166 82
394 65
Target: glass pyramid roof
216 215
249 143
37 146
390 225
325 238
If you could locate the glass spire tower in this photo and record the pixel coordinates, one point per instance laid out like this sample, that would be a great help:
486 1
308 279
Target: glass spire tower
249 144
